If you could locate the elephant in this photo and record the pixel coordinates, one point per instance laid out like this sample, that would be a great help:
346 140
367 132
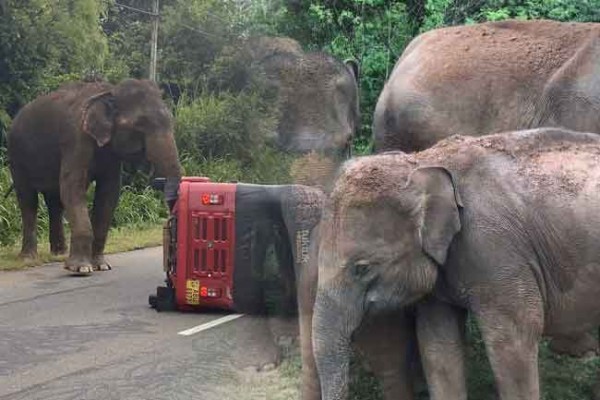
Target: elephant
502 226
62 141
490 77
389 360
317 95
493 77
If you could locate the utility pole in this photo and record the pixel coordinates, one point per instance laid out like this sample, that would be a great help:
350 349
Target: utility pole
154 41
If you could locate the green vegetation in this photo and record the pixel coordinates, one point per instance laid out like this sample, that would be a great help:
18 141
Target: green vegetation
223 117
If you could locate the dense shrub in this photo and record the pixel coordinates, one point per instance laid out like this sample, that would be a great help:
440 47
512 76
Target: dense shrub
10 221
224 125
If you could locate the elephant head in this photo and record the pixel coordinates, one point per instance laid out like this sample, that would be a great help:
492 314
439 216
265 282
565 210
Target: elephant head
317 95
386 232
135 123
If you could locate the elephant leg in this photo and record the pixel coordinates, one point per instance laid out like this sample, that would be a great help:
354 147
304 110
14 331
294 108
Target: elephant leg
56 234
28 203
106 198
73 188
512 339
383 341
307 286
440 332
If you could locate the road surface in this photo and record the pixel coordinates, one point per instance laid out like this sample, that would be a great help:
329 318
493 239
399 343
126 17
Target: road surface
64 337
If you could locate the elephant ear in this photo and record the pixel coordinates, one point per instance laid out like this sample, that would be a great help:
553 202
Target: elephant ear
98 117
353 66
440 219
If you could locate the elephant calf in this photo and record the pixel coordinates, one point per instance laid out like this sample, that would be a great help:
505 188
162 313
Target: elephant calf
504 226
62 141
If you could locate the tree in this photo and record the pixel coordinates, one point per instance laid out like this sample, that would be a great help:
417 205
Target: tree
43 43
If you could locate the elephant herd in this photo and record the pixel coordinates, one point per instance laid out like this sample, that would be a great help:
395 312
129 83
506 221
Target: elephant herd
483 199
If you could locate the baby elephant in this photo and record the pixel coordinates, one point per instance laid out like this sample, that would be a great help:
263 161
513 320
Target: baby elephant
504 226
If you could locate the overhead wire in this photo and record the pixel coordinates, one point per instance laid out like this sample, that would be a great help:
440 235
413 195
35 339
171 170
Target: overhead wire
197 30
136 9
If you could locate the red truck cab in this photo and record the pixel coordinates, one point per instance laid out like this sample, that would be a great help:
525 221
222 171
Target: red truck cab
216 238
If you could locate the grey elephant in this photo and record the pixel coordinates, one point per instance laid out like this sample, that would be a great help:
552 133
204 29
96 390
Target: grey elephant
488 78
61 142
317 95
493 77
503 226
381 341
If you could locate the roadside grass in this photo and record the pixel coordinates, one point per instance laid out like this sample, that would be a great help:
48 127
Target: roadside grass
282 383
119 239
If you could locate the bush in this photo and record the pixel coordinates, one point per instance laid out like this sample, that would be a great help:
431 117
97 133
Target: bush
10 220
139 208
224 125
268 167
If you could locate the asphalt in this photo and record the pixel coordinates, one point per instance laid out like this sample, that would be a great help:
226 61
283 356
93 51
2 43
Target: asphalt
64 337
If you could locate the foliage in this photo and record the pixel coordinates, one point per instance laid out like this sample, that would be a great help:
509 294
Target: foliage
139 208
224 125
561 10
454 12
193 33
10 218
44 42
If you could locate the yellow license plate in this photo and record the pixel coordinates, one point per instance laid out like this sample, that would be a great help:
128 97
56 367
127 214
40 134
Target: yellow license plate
192 292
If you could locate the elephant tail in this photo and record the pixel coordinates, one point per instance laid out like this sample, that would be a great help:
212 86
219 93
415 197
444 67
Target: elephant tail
9 191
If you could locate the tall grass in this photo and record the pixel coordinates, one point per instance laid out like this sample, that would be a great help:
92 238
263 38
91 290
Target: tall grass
10 221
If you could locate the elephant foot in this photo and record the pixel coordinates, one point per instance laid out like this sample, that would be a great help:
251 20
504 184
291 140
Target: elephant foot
79 268
100 264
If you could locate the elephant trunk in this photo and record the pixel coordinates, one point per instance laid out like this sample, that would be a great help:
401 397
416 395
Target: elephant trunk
333 326
161 151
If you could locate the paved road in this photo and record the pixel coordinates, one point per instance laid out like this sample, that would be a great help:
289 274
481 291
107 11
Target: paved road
64 337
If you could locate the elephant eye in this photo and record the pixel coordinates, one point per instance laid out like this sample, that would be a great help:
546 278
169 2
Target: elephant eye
360 268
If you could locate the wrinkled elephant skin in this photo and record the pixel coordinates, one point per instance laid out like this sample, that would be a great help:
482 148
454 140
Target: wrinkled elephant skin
61 142
488 78
504 227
